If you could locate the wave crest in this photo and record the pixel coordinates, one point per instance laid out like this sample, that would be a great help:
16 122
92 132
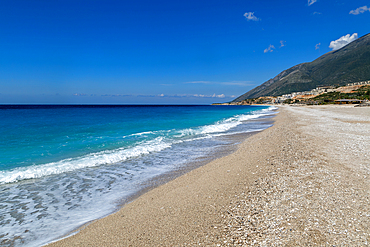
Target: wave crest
160 140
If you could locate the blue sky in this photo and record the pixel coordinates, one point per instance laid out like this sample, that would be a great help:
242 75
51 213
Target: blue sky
162 52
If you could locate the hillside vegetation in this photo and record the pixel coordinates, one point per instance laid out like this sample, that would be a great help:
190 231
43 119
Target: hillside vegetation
362 93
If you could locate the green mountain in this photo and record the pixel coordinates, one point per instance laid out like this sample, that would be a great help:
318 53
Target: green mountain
349 64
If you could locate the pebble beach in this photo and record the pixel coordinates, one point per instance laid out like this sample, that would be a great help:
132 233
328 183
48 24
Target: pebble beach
302 182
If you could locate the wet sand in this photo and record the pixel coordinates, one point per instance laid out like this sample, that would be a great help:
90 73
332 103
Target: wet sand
304 181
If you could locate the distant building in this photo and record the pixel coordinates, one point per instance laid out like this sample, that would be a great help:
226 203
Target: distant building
359 83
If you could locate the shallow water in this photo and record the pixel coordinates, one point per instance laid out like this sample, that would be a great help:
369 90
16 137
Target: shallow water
64 166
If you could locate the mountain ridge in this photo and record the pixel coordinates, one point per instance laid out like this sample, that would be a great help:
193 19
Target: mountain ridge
349 64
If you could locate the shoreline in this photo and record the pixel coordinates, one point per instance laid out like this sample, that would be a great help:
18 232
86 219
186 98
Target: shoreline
157 182
270 191
218 152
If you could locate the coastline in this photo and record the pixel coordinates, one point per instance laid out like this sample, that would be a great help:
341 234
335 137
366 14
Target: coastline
168 177
270 191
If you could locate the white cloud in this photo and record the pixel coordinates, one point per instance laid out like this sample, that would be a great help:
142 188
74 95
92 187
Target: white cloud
199 82
218 96
359 10
317 46
229 83
310 2
269 49
158 96
342 41
208 96
251 17
116 95
282 43
237 83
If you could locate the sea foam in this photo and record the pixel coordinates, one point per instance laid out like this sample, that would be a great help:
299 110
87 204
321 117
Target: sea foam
53 198
90 160
162 140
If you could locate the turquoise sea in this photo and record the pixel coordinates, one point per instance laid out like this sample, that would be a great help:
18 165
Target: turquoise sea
62 166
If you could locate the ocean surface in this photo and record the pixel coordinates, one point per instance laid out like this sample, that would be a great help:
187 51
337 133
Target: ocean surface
63 166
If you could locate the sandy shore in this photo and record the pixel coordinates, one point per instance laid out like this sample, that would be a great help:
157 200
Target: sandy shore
304 181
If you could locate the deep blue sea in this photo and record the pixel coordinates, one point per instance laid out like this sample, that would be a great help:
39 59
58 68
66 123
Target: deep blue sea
63 166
